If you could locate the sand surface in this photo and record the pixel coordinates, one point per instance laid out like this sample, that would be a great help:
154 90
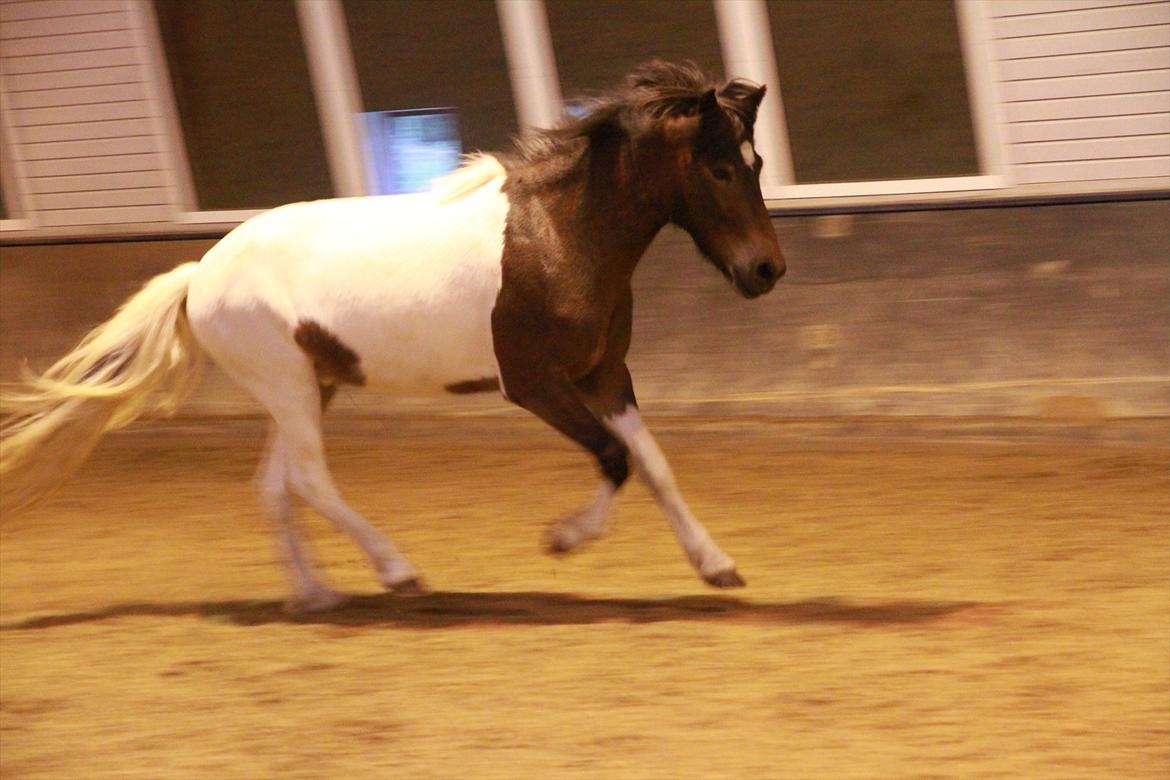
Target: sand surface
962 606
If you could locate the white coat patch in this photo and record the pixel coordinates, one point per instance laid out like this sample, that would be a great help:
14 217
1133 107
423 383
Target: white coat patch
408 282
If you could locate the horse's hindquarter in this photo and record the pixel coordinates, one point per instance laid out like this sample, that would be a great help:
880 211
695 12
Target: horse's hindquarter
407 282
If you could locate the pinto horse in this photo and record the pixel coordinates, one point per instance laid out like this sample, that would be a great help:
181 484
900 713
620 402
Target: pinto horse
512 274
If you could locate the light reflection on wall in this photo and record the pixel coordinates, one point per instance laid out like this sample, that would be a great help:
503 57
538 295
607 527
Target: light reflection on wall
407 150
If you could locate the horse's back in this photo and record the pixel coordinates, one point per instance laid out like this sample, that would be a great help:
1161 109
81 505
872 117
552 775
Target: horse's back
406 282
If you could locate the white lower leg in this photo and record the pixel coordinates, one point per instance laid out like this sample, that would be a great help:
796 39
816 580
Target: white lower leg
308 591
583 525
312 483
712 563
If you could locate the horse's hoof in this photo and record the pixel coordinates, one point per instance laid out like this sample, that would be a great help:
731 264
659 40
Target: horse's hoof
728 578
409 587
317 601
560 541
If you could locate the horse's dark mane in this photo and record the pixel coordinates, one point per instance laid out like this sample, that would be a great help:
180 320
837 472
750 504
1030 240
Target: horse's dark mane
654 91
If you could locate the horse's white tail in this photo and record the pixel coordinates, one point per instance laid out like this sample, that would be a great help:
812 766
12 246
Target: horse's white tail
142 361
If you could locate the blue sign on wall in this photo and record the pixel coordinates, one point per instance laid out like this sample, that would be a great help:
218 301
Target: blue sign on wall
409 149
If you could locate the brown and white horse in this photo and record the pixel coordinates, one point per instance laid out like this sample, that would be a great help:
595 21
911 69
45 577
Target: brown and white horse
513 273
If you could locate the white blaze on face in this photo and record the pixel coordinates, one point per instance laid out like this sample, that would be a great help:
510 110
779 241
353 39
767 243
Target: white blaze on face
749 153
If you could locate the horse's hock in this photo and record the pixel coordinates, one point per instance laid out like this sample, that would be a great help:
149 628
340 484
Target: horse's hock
1058 312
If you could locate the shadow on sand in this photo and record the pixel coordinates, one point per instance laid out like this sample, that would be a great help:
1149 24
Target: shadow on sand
452 609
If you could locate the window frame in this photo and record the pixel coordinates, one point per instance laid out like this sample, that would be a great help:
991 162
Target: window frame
747 51
746 48
12 177
314 20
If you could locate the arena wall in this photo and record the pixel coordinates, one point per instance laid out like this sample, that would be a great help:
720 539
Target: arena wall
1058 311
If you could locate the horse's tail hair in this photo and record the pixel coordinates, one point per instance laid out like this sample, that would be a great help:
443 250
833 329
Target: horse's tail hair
143 361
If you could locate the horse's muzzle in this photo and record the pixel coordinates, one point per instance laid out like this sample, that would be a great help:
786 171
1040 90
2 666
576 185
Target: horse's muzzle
757 277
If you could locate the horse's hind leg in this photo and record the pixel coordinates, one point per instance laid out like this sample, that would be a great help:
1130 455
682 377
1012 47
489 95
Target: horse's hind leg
312 482
282 378
298 416
309 593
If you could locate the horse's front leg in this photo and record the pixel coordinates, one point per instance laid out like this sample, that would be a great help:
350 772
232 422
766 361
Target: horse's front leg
713 565
604 391
574 410
551 396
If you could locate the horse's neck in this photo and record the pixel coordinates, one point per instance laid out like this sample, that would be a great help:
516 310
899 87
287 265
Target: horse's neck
608 214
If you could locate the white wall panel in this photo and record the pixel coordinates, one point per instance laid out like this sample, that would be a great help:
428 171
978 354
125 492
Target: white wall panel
1092 127
65 79
106 164
81 118
57 115
54 43
1008 8
76 96
62 25
87 200
1086 88
67 150
95 183
105 216
1076 43
112 128
1085 64
1095 149
1096 105
1091 20
58 9
53 63
1090 170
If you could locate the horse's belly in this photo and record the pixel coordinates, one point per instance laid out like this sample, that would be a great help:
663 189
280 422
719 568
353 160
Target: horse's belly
423 350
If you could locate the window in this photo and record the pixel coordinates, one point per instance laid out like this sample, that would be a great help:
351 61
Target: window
410 149
873 90
419 55
245 102
597 42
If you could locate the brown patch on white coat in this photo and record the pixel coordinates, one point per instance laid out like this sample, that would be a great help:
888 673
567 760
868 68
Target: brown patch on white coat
334 363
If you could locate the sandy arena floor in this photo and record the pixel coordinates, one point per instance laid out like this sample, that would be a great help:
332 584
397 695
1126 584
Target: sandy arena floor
953 606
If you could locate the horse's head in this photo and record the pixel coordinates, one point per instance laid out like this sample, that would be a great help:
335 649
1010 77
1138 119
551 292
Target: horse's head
718 199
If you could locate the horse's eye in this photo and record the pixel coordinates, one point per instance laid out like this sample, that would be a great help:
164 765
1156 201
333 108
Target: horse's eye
721 173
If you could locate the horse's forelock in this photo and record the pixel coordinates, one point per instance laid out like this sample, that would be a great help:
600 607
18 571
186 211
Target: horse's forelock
661 89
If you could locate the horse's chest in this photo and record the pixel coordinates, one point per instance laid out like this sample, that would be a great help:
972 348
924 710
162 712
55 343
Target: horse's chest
582 346
555 326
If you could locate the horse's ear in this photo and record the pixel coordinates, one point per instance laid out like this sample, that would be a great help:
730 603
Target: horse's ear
754 100
744 98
